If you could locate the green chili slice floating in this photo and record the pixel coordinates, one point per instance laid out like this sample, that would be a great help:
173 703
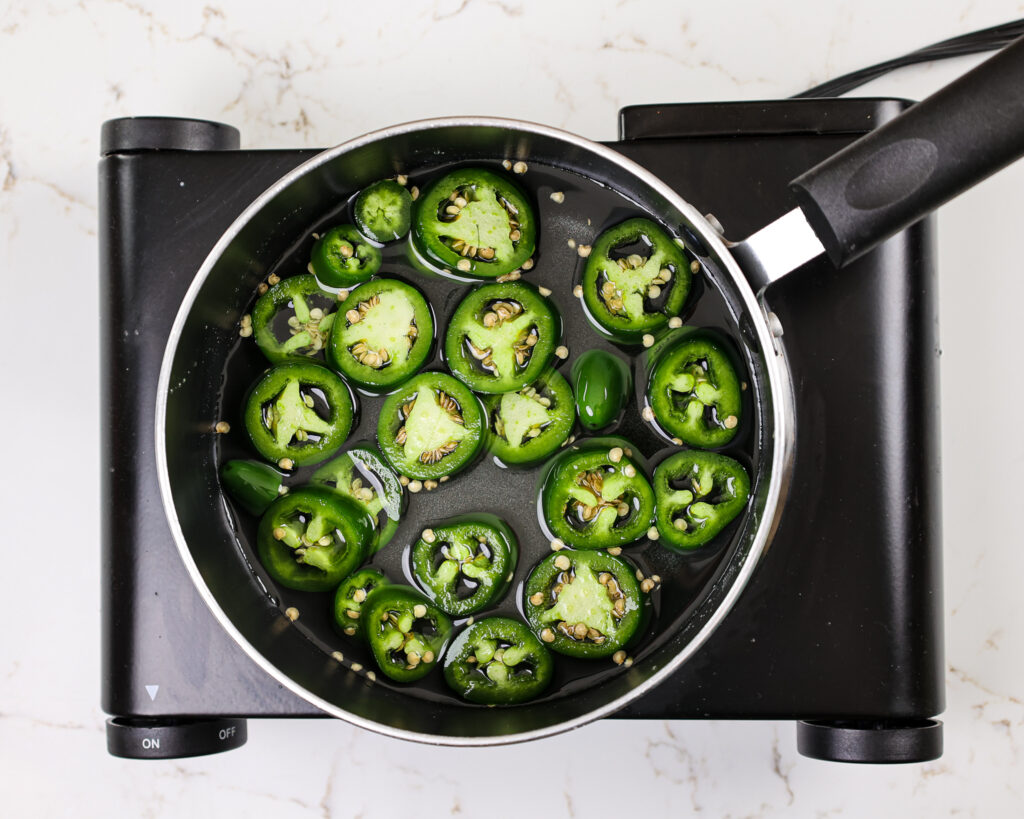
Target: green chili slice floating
343 258
312 538
474 222
498 661
584 604
300 412
694 391
698 495
635 280
465 564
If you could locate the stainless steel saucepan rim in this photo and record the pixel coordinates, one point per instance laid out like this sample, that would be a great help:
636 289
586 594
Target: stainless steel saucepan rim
192 372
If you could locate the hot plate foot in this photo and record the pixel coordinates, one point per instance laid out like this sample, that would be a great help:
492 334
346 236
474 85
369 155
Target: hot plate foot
131 134
877 741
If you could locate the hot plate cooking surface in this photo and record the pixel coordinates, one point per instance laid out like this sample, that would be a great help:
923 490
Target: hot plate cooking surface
843 618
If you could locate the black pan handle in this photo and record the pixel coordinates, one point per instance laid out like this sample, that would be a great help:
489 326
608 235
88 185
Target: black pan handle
934 151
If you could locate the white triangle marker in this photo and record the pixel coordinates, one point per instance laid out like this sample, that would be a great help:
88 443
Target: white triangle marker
151 690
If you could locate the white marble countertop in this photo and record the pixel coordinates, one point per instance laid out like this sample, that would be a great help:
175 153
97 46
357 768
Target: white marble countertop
316 73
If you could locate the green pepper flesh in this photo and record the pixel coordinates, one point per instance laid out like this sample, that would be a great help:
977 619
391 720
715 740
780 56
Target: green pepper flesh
601 383
362 474
501 337
252 484
528 425
286 408
298 304
349 598
383 211
430 427
383 334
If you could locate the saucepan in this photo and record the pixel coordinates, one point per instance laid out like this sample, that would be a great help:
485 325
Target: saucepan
847 205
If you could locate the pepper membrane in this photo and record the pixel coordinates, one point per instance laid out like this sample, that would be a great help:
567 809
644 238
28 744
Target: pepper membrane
629 294
430 427
528 425
361 474
293 319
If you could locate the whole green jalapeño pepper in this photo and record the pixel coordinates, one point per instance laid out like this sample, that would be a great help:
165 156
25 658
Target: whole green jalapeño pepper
383 211
383 334
465 564
474 222
343 258
293 319
298 413
430 427
350 596
406 632
694 391
584 604
597 497
602 383
501 337
698 494
361 474
635 280
498 661
528 425
253 485
312 538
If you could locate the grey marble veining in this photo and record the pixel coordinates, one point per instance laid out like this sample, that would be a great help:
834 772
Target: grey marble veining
311 74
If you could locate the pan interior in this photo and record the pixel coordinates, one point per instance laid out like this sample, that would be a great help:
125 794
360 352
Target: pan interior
210 370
